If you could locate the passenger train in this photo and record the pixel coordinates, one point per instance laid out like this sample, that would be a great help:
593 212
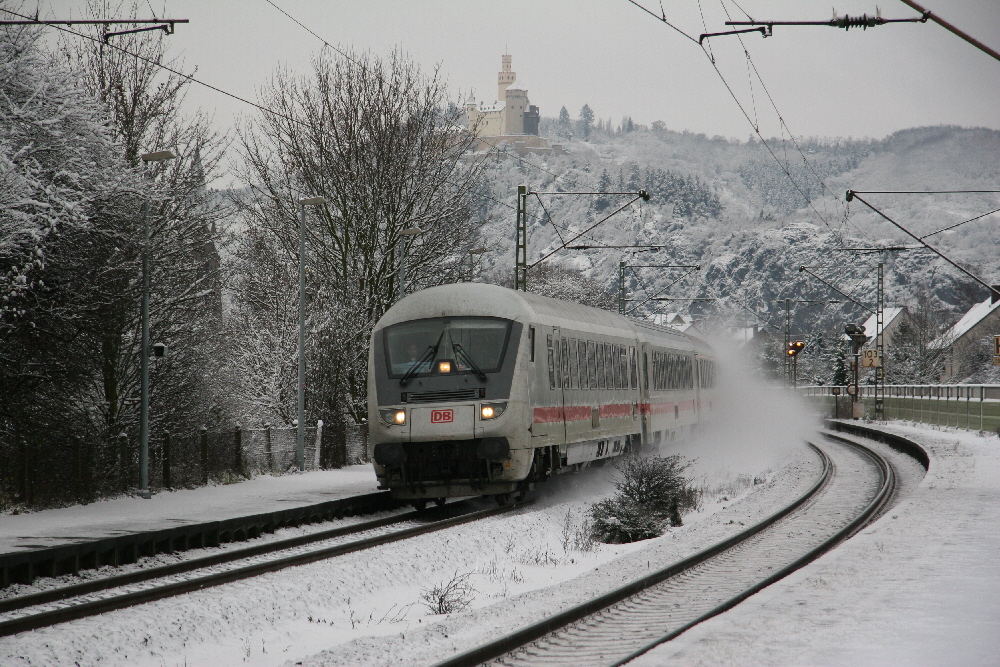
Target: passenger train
475 389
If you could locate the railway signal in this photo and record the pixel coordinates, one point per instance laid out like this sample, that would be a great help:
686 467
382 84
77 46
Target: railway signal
793 347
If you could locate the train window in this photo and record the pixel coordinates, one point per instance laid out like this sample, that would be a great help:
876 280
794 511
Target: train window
622 367
581 353
602 380
633 376
551 360
572 364
644 369
591 366
531 343
564 356
612 363
606 367
412 347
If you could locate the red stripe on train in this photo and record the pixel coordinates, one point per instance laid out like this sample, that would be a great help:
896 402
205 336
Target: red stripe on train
572 413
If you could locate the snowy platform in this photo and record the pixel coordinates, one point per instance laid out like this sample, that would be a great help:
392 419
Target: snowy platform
64 540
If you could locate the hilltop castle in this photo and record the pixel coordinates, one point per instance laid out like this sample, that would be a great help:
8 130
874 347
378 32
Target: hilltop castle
511 119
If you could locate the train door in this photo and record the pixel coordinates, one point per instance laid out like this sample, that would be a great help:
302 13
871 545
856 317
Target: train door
645 404
562 379
553 414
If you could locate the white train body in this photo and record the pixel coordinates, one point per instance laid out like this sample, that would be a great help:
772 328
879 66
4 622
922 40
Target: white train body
476 389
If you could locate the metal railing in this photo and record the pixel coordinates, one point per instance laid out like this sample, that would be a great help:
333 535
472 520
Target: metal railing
970 406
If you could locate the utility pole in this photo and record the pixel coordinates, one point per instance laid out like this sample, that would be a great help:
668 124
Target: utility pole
879 345
521 248
621 288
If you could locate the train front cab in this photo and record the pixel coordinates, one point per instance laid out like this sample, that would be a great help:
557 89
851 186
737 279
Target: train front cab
448 405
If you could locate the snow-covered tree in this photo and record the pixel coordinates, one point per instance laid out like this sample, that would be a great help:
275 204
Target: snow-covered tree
586 122
369 135
186 221
565 125
602 202
58 164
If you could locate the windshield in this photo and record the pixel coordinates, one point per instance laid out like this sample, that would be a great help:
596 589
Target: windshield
472 344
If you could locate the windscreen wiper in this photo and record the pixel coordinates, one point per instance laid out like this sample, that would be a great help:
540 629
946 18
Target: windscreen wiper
460 352
427 356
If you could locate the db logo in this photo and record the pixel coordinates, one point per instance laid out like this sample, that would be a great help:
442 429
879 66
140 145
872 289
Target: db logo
442 416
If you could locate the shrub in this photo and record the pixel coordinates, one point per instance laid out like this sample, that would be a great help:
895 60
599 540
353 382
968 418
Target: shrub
451 596
651 492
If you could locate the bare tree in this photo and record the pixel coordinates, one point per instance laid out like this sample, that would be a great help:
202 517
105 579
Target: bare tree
376 138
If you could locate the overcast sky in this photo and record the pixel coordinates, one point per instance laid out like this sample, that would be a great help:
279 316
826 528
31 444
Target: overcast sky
620 60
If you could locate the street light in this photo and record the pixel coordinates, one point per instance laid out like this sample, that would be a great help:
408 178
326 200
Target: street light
408 232
158 156
300 430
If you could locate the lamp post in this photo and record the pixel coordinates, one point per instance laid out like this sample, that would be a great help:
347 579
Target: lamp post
409 232
158 156
300 429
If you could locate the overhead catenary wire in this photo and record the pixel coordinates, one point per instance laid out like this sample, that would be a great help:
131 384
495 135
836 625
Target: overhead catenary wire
853 195
952 28
783 167
924 192
493 147
959 224
260 107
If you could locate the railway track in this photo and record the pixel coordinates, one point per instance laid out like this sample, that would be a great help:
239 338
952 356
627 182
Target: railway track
855 485
68 603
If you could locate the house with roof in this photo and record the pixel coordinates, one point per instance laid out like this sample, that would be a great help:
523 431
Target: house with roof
679 321
969 342
892 318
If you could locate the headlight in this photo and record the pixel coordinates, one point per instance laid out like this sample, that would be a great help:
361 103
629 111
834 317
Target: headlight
393 416
444 367
492 410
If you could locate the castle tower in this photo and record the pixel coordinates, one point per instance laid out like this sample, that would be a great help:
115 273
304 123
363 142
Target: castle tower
505 77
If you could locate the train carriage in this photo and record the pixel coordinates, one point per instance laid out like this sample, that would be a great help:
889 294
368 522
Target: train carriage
480 390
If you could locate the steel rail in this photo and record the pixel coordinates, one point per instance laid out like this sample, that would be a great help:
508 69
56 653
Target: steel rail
530 633
866 516
104 583
89 608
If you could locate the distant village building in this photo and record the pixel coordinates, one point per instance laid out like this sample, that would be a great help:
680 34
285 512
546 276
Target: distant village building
969 342
510 119
679 321
892 318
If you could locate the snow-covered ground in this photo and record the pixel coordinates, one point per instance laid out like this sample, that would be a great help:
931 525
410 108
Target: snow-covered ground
921 586
210 503
369 603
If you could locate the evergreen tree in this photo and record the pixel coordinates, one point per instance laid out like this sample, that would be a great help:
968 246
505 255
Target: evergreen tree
565 126
586 122
604 185
634 178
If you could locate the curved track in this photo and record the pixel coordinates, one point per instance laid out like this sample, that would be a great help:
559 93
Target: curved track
60 605
856 483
